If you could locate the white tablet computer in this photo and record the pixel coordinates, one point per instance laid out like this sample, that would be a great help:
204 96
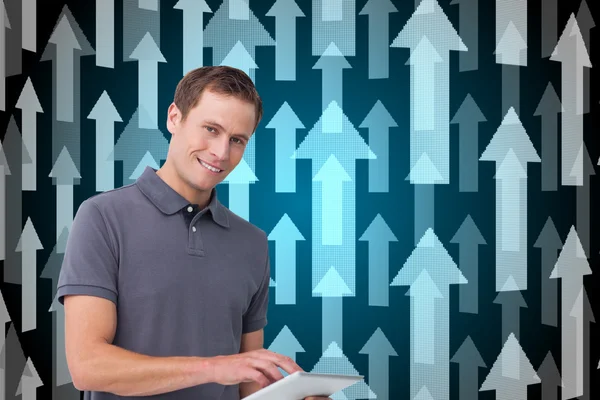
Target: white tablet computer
302 384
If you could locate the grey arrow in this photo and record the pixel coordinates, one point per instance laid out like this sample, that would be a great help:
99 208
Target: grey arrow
15 360
29 244
13 38
548 373
549 26
469 360
586 23
548 108
30 105
469 238
54 264
512 300
583 199
63 375
4 23
469 32
550 243
468 118
4 171
30 381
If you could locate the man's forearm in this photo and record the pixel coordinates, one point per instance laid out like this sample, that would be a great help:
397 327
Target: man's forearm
115 370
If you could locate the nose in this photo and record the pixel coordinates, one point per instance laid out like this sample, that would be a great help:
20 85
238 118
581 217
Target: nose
220 148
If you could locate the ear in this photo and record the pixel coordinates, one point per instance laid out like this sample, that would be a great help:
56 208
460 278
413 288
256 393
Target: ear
173 118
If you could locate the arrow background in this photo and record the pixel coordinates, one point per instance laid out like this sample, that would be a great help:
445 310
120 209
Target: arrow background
396 206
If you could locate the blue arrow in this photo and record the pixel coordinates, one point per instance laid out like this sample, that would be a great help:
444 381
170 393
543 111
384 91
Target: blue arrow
468 27
105 114
332 288
138 22
193 34
332 176
285 13
423 176
379 349
379 32
105 33
379 235
285 122
148 54
286 343
285 234
327 28
379 121
332 63
239 189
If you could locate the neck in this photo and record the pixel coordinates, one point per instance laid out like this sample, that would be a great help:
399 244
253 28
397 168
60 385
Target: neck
170 176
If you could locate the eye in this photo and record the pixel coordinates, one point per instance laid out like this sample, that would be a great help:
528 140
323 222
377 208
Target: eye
238 141
209 129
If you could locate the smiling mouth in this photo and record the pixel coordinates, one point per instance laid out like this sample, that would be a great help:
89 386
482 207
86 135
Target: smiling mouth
209 167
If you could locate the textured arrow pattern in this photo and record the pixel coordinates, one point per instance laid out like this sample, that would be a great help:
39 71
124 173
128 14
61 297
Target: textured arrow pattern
425 171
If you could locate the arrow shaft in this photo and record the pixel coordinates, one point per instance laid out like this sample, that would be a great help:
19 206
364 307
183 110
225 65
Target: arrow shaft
332 86
148 93
511 221
469 157
332 213
379 373
379 167
285 270
64 208
378 46
469 33
2 61
424 210
571 127
285 49
332 321
379 265
583 217
423 326
423 95
105 33
515 11
331 10
549 288
549 32
29 25
105 164
28 288
63 376
239 199
570 337
468 377
29 127
549 152
2 215
469 293
511 96
64 83
285 167
193 41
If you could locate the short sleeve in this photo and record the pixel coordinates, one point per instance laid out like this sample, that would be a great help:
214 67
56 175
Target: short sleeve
90 264
255 317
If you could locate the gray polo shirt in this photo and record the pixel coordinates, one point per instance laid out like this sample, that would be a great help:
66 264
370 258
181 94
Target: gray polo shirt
186 282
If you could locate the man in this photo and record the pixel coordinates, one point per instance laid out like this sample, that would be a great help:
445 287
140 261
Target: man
166 290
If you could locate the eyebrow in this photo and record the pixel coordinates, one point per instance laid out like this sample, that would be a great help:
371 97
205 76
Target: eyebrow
211 122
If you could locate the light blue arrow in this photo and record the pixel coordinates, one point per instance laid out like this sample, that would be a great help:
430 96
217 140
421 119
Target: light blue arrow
64 172
285 234
422 71
379 32
332 289
423 176
509 51
511 136
105 33
515 12
510 173
378 121
239 181
430 21
239 9
332 63
148 55
239 58
285 13
134 142
511 300
431 255
379 235
138 22
223 32
341 31
151 5
331 10
379 349
332 177
146 161
286 343
423 293
549 242
105 114
347 146
29 243
583 196
469 238
285 122
193 34
30 105
548 108
468 11
468 118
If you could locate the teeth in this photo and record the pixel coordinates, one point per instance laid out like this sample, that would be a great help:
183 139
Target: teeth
205 165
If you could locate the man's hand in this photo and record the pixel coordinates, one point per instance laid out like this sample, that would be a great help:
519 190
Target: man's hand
252 366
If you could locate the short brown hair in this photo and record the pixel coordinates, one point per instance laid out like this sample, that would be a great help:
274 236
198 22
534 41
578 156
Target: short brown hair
220 79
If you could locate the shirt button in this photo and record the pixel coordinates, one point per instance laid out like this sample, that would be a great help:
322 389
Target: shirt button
190 209
193 229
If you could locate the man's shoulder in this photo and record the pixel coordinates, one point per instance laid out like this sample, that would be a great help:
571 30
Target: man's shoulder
244 227
112 199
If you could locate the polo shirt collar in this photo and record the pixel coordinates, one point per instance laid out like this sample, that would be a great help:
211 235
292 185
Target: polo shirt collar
167 200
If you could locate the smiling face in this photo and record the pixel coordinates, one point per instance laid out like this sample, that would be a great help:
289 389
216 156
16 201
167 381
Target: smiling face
208 144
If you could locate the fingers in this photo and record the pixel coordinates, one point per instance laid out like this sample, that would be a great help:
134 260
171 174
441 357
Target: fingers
285 362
